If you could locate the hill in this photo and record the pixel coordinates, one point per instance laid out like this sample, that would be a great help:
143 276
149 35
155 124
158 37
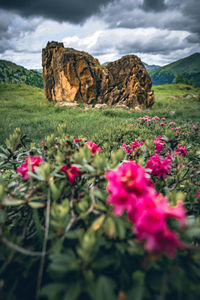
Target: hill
12 73
189 67
150 67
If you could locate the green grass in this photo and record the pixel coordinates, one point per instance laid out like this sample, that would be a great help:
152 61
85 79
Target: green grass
25 107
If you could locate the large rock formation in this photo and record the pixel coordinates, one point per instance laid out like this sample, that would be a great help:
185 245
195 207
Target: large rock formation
71 75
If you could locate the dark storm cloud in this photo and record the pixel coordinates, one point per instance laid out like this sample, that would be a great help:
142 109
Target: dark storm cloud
180 15
75 11
154 5
12 27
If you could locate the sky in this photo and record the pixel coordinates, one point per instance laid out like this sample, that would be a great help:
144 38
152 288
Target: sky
158 31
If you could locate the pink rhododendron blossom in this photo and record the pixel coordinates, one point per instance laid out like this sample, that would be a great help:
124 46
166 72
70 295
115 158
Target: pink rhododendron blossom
127 185
155 118
131 191
93 147
177 128
159 144
127 148
194 127
163 119
70 172
151 226
24 168
136 144
182 150
171 123
197 194
159 166
77 140
145 118
162 124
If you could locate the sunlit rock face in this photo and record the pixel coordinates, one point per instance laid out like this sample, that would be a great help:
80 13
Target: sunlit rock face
70 75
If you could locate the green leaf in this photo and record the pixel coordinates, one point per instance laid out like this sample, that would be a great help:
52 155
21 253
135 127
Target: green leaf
98 222
73 291
104 289
12 202
53 291
36 204
137 291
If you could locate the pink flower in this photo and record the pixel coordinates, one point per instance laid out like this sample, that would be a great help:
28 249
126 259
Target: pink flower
159 144
182 150
162 124
178 128
131 191
42 142
194 127
93 147
151 226
155 118
131 125
127 185
136 144
197 194
127 148
159 166
24 168
163 119
171 123
77 140
70 172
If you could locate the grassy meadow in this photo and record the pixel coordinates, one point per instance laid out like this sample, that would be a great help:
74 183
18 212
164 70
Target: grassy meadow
25 107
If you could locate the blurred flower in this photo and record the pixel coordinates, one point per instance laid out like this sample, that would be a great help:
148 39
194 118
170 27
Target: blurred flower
127 185
159 144
194 127
197 194
131 191
70 172
182 150
159 166
29 161
93 147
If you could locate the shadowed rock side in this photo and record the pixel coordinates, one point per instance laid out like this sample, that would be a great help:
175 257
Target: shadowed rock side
71 75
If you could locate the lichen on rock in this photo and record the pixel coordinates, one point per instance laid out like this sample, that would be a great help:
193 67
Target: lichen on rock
70 75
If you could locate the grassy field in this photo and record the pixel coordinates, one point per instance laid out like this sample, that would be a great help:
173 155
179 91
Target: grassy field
25 107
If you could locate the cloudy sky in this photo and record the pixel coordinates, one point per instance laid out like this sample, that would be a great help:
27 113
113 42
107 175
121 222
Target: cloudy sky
158 31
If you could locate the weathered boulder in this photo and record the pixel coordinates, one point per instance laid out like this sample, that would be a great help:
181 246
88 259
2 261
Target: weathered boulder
71 75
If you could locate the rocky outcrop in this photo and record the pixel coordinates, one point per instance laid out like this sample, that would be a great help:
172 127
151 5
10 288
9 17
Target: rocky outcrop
71 75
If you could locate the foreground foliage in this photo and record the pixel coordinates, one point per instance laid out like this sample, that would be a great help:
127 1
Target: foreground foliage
77 220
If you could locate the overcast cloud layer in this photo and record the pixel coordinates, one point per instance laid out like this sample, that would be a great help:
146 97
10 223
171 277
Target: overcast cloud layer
157 31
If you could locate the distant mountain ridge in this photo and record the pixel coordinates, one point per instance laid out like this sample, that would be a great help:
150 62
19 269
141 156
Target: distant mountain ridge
12 73
189 67
150 67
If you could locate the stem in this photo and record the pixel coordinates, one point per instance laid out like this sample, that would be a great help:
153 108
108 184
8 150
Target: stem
37 224
20 249
42 261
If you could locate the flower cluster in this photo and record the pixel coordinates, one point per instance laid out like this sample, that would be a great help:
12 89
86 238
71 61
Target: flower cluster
129 149
70 172
93 147
182 150
159 144
131 191
30 162
159 166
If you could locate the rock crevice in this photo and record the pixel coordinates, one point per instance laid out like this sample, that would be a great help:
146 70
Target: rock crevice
70 75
